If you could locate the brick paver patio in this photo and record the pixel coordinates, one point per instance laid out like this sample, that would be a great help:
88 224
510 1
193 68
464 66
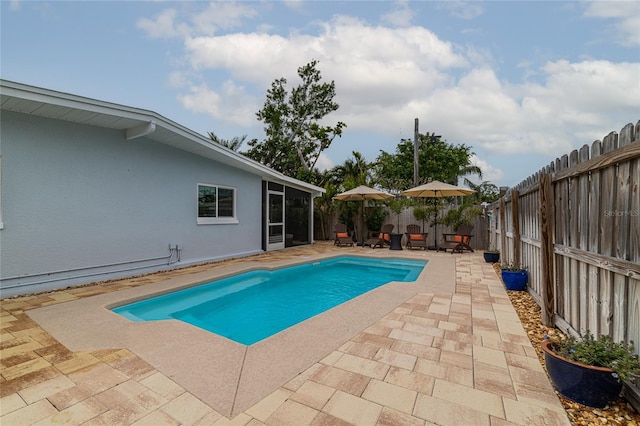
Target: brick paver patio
458 358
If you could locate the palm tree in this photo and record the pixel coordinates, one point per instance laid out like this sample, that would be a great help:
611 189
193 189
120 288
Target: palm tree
354 172
325 206
469 170
485 192
233 143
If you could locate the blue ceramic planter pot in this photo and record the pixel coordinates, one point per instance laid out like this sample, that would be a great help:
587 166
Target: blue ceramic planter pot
515 280
592 386
491 257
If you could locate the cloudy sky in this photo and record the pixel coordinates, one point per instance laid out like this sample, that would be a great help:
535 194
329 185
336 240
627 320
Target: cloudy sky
520 82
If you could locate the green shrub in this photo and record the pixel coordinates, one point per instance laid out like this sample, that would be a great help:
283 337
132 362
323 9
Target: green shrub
600 352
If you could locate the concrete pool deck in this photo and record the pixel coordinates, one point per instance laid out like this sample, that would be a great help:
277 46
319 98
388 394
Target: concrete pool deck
448 349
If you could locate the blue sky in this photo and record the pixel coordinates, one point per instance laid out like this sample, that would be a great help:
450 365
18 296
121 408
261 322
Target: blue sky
520 82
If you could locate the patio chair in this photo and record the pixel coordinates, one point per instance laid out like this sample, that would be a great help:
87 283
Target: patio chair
458 242
381 237
416 238
343 236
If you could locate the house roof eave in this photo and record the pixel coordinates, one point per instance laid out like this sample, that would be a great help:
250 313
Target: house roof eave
135 123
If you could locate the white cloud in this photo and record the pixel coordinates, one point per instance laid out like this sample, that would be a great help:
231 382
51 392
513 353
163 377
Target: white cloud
626 15
231 103
546 118
293 4
589 86
178 79
324 163
489 173
397 63
258 58
387 76
218 15
400 16
463 9
222 15
163 25
202 99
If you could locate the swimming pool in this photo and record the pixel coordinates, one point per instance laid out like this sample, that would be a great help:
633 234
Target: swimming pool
254 305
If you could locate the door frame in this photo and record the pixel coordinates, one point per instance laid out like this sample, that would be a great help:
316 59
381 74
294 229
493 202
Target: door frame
277 243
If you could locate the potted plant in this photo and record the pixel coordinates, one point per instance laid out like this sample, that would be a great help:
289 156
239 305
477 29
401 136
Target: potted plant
462 215
492 256
375 217
421 214
590 370
514 276
396 205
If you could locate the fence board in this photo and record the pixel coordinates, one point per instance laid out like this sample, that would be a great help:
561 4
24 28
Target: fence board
608 158
515 228
606 240
634 311
546 234
621 238
595 244
480 224
574 230
583 236
634 240
556 236
562 237
595 235
594 221
503 229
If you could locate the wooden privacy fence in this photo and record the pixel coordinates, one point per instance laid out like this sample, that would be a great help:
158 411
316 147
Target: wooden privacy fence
576 225
480 238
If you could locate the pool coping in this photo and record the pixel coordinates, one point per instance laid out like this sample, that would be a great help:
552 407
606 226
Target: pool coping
228 376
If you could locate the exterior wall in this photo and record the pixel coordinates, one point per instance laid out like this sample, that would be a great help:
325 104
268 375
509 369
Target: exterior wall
75 196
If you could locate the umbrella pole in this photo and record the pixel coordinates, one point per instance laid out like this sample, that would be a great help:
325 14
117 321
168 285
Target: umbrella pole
362 224
435 237
435 232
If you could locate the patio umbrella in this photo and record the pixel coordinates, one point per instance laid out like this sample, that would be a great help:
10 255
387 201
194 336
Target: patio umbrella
362 193
437 189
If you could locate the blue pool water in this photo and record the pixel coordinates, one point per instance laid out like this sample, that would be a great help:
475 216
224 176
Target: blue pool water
254 305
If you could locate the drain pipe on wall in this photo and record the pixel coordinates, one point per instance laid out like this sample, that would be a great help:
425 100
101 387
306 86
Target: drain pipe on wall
172 258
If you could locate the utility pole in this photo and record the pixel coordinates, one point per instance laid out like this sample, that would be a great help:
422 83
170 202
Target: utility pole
415 155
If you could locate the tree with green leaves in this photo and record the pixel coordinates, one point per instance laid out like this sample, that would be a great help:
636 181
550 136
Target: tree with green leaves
426 212
461 215
294 136
233 144
486 192
396 205
325 206
437 160
354 172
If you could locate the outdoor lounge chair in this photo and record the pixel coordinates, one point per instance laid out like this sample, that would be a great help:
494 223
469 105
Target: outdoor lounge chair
458 242
343 236
416 238
381 237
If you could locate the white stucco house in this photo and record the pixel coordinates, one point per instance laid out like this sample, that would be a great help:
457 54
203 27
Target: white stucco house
91 190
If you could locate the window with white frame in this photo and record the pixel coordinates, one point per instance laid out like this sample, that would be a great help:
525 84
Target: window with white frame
216 204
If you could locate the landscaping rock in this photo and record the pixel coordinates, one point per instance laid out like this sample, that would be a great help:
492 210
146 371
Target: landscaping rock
618 413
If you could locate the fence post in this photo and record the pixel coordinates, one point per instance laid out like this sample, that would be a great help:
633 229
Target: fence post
503 229
546 240
515 218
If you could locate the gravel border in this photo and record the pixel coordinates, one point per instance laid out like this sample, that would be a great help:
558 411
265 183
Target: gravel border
619 412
